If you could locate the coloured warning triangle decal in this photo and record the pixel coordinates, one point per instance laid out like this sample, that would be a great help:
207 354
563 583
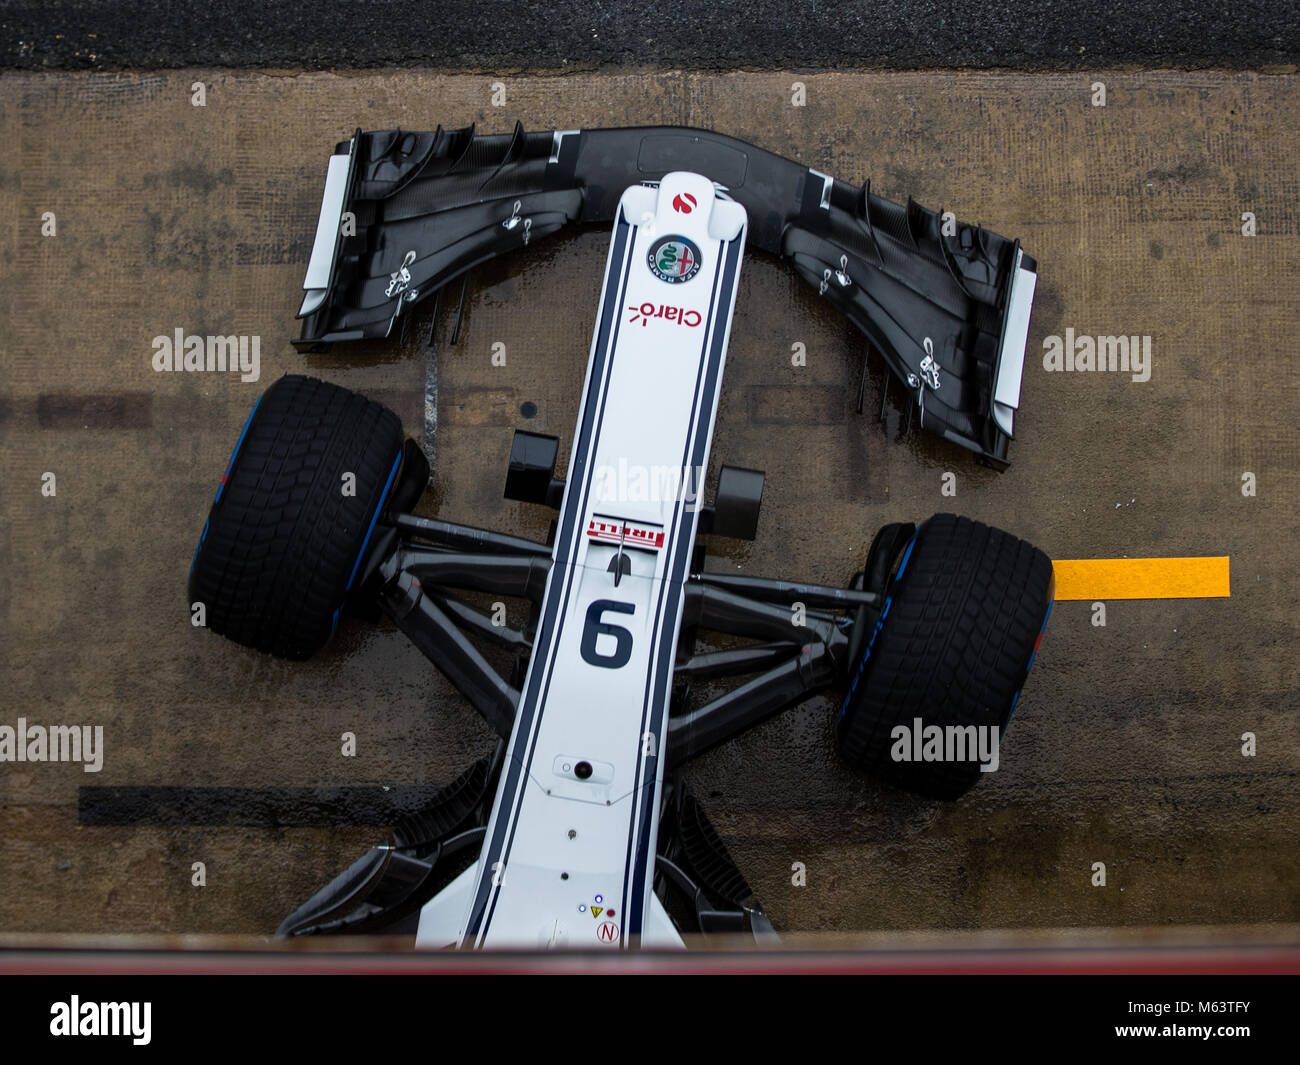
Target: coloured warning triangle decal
596 911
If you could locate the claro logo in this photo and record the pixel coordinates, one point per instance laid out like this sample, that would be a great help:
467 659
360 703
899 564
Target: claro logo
644 313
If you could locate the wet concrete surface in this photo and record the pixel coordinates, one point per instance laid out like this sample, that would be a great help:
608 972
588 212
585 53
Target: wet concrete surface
1126 745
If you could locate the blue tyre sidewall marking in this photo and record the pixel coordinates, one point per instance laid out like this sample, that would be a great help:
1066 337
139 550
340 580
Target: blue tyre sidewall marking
383 498
880 624
221 487
1034 654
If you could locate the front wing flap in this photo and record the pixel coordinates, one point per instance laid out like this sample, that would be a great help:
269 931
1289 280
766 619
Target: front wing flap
945 303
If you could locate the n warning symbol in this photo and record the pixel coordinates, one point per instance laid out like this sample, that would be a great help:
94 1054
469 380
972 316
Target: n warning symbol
607 932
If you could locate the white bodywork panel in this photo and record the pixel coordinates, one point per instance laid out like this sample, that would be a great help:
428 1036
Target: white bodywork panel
1015 335
442 917
568 859
328 227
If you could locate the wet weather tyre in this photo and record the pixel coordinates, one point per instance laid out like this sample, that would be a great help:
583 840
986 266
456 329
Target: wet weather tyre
285 536
963 618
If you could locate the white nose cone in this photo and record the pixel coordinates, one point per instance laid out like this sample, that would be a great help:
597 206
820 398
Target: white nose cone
684 203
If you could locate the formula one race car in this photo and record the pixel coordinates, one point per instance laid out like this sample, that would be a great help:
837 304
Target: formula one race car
568 835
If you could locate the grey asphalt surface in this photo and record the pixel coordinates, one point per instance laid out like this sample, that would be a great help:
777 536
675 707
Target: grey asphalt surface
756 34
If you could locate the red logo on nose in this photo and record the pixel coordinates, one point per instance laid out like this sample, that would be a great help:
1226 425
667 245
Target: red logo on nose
684 203
607 932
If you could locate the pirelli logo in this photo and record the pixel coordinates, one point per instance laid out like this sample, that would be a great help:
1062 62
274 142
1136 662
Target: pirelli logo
639 534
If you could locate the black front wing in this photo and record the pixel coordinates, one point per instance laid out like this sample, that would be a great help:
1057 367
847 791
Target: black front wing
945 303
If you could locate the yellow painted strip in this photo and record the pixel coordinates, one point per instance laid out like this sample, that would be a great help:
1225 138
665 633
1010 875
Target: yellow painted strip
1141 578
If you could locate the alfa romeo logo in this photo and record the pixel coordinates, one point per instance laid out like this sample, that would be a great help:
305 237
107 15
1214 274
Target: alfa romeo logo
674 259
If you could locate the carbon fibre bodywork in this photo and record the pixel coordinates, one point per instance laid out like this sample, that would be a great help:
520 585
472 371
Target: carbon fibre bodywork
945 303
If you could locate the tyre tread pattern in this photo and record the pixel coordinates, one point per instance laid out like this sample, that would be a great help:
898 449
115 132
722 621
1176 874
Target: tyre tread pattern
954 648
282 538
